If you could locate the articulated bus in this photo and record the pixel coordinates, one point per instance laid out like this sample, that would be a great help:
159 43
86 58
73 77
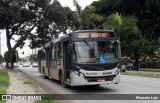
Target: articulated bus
87 57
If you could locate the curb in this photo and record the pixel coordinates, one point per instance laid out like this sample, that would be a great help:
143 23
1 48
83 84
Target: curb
42 86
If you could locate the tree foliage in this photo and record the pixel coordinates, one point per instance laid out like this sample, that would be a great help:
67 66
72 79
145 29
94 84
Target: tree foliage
125 28
33 57
91 20
56 20
1 59
146 19
88 18
19 17
15 56
147 12
144 47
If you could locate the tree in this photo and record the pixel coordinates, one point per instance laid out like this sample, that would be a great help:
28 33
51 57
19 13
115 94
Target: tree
144 10
144 47
91 20
19 17
33 57
1 59
125 27
15 56
87 17
78 11
56 20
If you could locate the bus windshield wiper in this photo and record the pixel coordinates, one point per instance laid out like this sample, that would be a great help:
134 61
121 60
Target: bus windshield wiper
91 51
88 44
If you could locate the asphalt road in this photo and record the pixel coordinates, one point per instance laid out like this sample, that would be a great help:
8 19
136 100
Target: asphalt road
128 85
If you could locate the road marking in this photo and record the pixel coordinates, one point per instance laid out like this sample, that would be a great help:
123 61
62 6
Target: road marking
128 78
37 74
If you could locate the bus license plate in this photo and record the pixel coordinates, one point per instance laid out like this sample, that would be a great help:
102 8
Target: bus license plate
100 79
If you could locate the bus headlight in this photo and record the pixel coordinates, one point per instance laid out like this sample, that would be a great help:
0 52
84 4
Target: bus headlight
79 74
117 72
76 72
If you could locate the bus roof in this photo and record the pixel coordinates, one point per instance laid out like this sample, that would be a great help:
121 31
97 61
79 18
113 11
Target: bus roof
92 30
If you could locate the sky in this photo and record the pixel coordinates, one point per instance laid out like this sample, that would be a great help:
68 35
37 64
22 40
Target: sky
27 51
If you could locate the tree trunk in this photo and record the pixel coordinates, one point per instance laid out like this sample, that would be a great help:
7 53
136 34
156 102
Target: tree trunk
9 62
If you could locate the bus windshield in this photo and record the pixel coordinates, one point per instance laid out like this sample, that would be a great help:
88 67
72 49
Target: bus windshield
95 52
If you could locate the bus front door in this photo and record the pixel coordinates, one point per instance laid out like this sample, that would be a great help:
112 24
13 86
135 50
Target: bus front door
67 61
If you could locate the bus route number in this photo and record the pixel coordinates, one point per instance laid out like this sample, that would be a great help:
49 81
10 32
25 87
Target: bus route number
93 35
107 73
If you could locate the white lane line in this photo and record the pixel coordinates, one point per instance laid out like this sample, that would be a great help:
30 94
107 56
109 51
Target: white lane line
37 74
131 79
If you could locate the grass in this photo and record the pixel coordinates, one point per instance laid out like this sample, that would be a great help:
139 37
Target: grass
4 83
141 74
29 82
4 80
150 69
46 100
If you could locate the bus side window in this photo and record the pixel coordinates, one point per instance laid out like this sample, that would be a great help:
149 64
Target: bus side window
54 50
59 51
53 53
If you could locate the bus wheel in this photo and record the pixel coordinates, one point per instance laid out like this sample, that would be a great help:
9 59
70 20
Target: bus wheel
46 77
62 81
94 86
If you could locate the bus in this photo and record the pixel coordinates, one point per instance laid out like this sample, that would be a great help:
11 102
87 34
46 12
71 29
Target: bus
87 57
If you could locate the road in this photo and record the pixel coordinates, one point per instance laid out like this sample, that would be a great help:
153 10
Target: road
128 85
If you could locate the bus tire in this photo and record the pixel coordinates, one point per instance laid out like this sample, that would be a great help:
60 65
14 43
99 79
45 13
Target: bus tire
123 70
62 81
94 86
46 77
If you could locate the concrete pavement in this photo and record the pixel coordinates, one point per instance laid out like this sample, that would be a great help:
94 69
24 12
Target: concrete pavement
128 85
17 86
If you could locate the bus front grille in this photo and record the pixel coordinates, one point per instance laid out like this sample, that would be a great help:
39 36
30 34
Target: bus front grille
94 79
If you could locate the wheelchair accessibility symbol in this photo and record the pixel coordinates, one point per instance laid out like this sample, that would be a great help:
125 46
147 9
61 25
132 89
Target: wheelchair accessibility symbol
103 60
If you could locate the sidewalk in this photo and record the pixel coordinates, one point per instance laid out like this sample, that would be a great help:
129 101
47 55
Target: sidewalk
17 86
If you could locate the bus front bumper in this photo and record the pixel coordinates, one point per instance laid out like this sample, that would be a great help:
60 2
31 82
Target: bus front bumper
78 81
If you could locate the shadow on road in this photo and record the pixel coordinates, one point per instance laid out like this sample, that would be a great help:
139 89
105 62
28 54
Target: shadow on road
91 89
86 89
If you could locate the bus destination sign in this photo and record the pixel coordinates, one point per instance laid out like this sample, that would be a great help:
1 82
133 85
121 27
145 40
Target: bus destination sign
93 35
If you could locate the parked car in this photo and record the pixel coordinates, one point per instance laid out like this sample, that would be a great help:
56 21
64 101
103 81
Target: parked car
127 63
130 66
34 64
26 64
3 64
16 65
123 68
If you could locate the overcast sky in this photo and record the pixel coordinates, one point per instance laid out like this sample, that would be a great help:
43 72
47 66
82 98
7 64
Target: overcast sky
27 51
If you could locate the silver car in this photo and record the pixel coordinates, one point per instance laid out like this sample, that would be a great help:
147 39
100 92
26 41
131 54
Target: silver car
123 68
26 64
34 64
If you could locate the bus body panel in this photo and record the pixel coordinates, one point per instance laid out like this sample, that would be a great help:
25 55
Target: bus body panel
55 74
78 81
94 75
